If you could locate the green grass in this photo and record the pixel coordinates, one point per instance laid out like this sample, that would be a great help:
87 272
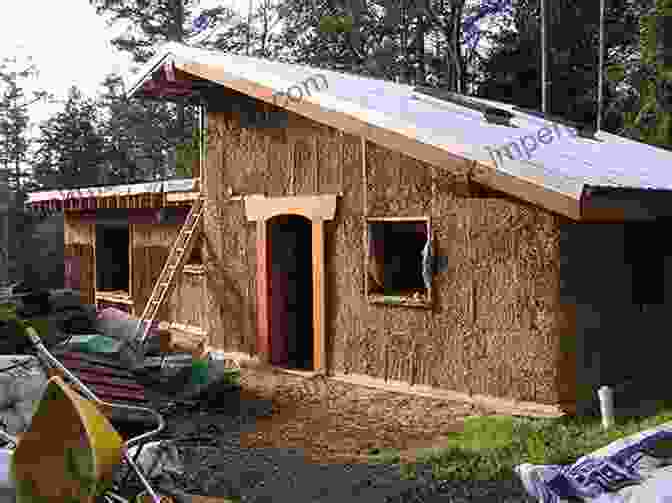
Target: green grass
490 447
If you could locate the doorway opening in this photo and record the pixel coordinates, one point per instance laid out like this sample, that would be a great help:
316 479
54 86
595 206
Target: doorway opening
291 292
112 262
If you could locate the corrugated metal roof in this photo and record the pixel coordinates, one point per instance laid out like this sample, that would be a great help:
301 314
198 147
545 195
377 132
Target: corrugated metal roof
178 185
563 167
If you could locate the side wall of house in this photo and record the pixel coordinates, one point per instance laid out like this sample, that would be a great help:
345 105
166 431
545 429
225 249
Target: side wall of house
621 327
79 238
496 322
151 244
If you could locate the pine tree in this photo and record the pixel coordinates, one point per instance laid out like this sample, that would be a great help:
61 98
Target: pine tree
71 150
650 120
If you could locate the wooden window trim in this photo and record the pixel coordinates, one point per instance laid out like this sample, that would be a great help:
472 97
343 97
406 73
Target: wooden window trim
396 300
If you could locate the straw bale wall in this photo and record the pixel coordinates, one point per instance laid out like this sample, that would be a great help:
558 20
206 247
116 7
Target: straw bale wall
151 244
496 321
79 238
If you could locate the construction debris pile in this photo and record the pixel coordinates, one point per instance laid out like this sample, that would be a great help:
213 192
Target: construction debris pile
102 349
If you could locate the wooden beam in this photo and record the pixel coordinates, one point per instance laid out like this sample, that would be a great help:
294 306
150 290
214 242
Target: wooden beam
263 303
494 404
178 337
130 265
173 197
114 297
498 405
318 207
319 342
365 183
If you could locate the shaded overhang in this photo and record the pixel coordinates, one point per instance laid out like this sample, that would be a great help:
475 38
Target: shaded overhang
624 204
165 80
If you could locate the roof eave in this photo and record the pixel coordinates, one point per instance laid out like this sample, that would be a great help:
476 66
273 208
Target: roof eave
150 68
605 204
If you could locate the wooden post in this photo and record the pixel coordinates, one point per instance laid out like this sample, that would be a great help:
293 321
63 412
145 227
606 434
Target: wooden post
365 212
263 305
319 343
316 166
130 267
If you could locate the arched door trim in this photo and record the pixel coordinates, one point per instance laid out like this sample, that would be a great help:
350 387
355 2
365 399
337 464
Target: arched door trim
317 209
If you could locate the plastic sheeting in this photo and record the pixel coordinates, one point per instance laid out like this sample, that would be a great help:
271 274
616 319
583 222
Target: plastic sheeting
22 383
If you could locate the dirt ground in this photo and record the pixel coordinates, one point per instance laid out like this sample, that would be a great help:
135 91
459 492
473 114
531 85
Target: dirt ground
344 424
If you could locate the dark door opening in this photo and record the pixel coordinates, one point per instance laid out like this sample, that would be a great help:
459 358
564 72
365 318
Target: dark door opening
291 292
112 264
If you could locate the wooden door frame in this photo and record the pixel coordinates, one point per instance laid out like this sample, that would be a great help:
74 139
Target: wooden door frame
317 209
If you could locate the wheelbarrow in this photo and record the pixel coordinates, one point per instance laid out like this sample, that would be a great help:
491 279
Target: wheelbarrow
71 451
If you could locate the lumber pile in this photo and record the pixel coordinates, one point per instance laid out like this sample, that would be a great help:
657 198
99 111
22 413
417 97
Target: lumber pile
179 338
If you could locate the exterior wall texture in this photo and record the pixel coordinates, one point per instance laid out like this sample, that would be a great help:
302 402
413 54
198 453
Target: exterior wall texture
496 325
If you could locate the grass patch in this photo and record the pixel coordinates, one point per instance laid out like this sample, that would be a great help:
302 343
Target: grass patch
384 456
490 447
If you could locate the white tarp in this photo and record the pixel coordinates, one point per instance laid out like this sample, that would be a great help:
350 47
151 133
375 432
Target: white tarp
22 382
634 469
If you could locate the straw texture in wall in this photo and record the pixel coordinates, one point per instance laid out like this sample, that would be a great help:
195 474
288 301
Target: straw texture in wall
83 258
150 249
78 240
495 323
184 306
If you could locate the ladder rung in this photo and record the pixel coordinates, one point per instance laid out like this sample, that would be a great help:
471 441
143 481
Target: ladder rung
175 258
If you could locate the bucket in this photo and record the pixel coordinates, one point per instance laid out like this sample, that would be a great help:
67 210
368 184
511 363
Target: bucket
199 371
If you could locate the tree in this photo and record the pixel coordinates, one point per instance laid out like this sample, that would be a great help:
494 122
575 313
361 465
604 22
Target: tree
646 79
511 70
14 118
150 23
186 155
71 150
138 135
15 143
392 39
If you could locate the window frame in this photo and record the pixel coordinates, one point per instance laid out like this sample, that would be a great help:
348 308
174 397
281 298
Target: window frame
129 255
397 300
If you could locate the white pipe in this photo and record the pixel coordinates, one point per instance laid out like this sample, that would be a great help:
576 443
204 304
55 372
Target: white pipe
606 396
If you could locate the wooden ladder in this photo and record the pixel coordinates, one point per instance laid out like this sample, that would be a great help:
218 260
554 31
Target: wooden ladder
179 254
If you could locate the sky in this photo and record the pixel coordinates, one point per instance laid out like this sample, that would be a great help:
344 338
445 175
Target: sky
69 43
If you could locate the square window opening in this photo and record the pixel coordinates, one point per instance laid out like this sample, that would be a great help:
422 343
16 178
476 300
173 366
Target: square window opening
399 255
112 261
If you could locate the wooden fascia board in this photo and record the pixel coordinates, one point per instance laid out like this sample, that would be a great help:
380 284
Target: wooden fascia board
173 197
148 75
400 140
484 173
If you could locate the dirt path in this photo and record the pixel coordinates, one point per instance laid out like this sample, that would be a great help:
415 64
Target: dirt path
346 423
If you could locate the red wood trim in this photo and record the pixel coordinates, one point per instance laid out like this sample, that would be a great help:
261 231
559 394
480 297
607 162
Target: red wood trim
263 304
